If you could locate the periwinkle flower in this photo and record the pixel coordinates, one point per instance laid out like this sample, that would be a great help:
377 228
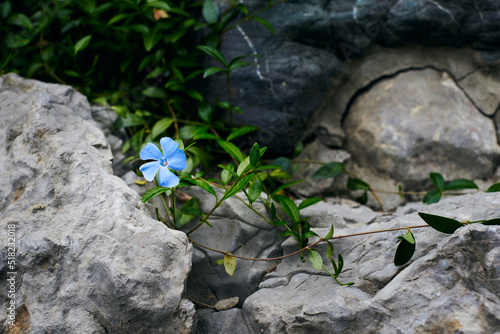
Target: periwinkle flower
172 157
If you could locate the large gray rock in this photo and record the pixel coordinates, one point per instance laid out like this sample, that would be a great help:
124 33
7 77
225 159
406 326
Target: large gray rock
308 58
90 259
419 122
451 283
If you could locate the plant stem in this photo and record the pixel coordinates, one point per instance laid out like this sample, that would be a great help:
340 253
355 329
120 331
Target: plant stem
175 120
228 84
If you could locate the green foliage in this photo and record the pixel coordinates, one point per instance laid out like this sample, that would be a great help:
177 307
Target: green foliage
406 249
434 195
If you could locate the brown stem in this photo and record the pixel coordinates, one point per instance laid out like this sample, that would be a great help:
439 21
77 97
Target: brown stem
175 120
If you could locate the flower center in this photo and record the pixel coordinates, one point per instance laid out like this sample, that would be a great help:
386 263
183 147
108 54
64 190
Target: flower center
164 163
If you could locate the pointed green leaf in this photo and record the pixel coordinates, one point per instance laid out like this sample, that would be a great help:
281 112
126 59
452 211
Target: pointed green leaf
329 170
289 207
255 190
238 64
404 252
460 184
211 70
494 188
233 190
232 149
205 111
150 39
330 234
438 180
357 184
329 252
254 155
408 237
160 127
278 222
244 166
432 196
214 53
153 192
308 202
363 198
241 131
309 234
495 221
159 5
273 211
316 260
82 43
288 233
229 264
210 11
335 268
441 224
265 23
341 263
203 185
286 185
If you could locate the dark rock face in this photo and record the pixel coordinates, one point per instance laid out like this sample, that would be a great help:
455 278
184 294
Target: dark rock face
90 259
315 39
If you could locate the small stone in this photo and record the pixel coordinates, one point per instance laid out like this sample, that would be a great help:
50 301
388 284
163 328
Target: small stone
226 304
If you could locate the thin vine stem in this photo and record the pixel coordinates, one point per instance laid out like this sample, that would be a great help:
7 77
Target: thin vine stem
307 247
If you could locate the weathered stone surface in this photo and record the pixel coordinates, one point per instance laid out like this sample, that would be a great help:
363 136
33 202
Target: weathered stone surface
324 36
230 321
90 259
450 283
402 132
483 88
240 231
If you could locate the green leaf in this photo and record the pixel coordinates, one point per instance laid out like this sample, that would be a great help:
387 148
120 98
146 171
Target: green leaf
232 149
315 259
195 94
335 268
289 207
159 5
404 252
265 23
357 184
432 196
330 234
273 211
205 111
203 185
153 192
283 186
308 202
238 187
495 221
211 70
187 212
154 92
241 131
20 20
288 233
229 264
278 222
244 166
255 190
494 188
363 198
309 234
82 43
160 127
329 252
329 170
210 11
460 184
214 53
227 172
341 263
441 224
150 39
298 149
238 64
408 237
254 155
438 181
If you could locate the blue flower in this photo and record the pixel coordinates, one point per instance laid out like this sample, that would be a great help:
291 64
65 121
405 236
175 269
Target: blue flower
172 157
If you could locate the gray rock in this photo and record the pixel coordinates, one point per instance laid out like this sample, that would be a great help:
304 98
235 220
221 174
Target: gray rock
230 321
90 259
401 132
237 230
450 283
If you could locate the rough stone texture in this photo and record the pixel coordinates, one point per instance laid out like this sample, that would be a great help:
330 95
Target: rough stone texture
230 321
324 37
90 259
240 231
451 283
402 132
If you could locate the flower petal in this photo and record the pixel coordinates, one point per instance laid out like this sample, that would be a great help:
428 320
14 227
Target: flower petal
150 152
149 170
168 146
167 178
177 161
